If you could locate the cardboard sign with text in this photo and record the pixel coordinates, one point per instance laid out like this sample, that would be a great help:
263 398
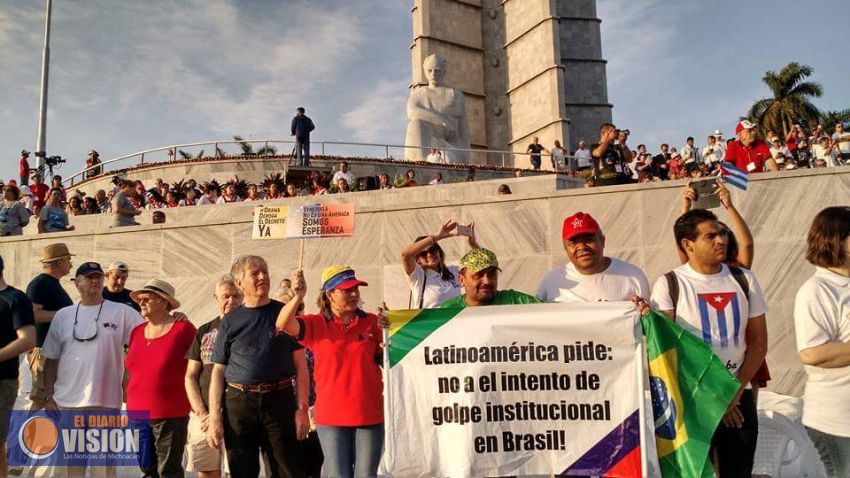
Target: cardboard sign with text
320 220
269 222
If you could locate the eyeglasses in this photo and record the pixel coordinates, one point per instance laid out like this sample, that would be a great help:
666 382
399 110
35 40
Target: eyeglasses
433 251
96 321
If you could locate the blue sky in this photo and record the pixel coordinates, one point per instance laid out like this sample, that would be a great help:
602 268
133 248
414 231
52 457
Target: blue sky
129 75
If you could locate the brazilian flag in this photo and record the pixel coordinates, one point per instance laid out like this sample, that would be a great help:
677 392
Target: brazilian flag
691 390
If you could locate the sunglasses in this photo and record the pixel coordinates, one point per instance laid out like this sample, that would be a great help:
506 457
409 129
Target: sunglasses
433 251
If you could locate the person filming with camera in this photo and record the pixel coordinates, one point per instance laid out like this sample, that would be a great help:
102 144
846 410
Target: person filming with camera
611 156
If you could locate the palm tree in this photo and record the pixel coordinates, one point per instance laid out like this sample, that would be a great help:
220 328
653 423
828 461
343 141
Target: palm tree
791 101
247 149
267 150
831 118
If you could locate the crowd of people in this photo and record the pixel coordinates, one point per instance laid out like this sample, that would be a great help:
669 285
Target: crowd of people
612 161
262 375
53 205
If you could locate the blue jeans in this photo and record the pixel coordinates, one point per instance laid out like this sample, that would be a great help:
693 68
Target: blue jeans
351 451
834 451
302 151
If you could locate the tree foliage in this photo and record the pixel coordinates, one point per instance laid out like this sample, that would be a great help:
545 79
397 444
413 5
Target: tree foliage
791 101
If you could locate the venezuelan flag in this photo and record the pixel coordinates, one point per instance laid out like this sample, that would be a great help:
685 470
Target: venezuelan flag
691 390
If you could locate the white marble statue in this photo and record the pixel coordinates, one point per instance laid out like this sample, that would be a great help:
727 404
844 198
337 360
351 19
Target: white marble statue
437 117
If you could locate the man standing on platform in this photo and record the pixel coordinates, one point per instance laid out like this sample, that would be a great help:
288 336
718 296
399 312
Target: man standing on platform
47 296
24 168
301 127
479 278
590 276
251 402
534 149
116 277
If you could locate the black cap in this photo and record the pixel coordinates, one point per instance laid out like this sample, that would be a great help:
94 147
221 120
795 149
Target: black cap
87 268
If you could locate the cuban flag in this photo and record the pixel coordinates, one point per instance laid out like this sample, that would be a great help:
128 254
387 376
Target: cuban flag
734 176
715 310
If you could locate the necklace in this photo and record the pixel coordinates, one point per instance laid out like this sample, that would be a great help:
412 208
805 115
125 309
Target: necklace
159 331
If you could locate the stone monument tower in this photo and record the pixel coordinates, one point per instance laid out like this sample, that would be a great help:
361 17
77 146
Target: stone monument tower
526 67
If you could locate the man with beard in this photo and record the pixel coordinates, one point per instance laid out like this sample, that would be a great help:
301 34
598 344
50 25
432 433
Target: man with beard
479 278
725 307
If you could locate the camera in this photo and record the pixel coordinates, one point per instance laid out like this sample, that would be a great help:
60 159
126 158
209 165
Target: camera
626 132
52 161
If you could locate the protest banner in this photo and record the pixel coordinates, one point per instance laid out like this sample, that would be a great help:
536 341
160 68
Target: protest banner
269 222
320 220
515 390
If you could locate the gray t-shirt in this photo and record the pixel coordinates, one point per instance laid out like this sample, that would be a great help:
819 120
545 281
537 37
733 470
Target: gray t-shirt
53 219
122 202
12 217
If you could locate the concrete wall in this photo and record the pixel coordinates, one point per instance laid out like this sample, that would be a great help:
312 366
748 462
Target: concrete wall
198 244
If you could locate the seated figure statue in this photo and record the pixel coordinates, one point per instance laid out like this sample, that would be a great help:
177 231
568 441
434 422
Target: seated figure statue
437 117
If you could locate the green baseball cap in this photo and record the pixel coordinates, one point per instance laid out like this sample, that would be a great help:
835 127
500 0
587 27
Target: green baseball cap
477 260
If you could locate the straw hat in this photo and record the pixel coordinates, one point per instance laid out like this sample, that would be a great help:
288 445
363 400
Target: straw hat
160 288
55 251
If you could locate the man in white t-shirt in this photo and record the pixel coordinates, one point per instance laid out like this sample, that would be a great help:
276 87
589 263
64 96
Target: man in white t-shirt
779 151
590 276
583 157
84 347
344 173
726 309
842 139
822 325
434 156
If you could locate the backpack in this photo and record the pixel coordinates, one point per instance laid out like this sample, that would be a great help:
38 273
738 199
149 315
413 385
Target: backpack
673 285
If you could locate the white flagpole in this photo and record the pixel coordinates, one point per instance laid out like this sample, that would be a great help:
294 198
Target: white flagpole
41 138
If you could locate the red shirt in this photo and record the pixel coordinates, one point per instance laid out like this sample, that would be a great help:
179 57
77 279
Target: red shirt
24 168
750 159
39 194
349 387
157 368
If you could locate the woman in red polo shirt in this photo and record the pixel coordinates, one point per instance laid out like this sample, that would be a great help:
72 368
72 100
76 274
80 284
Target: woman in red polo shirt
346 342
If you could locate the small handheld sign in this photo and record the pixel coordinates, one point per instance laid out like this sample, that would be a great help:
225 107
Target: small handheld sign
269 222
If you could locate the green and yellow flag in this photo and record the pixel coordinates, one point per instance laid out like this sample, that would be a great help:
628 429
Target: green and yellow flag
691 390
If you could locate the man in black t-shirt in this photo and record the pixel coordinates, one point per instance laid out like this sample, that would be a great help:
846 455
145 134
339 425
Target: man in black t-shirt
535 148
114 290
611 156
47 296
17 335
201 457
255 367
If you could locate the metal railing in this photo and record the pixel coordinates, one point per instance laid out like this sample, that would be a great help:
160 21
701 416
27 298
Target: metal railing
325 148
